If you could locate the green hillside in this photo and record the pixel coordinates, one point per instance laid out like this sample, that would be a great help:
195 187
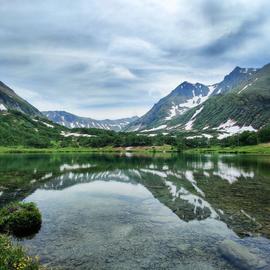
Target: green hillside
11 101
18 129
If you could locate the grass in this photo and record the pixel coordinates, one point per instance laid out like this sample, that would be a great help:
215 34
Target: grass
251 149
14 257
164 148
19 219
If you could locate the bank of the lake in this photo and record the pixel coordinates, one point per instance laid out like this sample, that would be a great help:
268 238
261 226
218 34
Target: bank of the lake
263 149
107 149
251 149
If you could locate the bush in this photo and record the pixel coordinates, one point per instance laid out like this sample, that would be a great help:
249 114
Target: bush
21 219
13 257
264 134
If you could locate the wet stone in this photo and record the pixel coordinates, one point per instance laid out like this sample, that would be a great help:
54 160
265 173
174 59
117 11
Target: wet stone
183 247
240 256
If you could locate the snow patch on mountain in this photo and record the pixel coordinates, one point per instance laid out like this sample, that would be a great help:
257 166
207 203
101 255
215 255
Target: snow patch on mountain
3 107
248 70
208 136
189 124
196 100
47 125
230 128
154 129
246 86
174 127
73 134
151 135
175 110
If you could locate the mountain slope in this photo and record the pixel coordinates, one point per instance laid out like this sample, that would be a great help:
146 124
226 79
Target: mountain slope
233 79
19 129
9 100
181 99
245 107
185 97
73 121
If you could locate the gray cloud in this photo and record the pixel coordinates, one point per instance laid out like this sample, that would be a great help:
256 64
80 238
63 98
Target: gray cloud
116 58
247 31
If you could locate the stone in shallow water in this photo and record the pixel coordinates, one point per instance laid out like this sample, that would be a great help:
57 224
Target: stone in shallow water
240 256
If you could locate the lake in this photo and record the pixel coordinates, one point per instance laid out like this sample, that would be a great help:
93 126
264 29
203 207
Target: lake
142 212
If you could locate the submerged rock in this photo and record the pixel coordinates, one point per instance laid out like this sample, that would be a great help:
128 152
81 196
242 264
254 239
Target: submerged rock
240 256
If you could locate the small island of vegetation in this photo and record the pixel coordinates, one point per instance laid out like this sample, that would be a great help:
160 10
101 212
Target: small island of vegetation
18 219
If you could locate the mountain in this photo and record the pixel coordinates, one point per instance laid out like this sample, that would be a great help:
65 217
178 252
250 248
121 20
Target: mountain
9 100
181 99
73 121
176 106
233 79
244 108
20 129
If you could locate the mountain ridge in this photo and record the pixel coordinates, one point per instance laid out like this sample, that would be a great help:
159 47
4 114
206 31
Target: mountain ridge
240 102
74 121
187 96
9 100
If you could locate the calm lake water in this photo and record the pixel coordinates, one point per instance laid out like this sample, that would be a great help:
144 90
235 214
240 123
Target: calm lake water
141 212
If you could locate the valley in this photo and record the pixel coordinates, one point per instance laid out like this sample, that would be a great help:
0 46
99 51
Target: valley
232 113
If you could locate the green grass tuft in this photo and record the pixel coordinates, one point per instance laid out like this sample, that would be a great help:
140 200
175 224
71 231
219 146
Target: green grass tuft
13 257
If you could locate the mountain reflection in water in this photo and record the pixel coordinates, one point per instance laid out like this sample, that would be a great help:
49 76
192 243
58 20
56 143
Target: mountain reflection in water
218 191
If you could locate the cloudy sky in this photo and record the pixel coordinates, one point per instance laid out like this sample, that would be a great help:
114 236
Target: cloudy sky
116 58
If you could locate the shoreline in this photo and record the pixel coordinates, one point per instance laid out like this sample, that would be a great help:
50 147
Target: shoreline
262 149
109 149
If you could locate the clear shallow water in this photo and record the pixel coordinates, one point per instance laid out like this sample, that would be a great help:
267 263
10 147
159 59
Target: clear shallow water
118 212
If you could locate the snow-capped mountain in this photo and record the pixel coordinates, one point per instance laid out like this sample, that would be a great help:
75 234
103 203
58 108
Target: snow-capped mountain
184 99
9 100
73 121
233 79
246 107
240 102
180 100
195 95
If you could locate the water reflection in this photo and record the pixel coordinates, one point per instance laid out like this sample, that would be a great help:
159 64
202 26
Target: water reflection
192 186
214 196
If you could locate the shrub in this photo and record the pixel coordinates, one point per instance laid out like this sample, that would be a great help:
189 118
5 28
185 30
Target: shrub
21 219
264 134
13 257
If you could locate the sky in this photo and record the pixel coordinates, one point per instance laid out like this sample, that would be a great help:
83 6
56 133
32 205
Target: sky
117 58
